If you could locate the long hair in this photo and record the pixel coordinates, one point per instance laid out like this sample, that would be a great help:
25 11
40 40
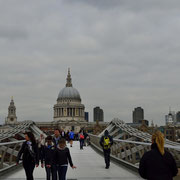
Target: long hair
158 138
31 137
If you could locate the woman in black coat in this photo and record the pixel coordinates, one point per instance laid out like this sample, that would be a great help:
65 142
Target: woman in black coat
157 164
30 157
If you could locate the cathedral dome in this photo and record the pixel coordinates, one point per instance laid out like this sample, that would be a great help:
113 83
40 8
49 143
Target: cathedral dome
69 92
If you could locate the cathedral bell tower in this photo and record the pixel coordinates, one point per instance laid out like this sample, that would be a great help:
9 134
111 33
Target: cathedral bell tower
11 118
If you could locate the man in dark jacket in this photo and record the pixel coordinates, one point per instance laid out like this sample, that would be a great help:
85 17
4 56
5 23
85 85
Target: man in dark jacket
57 137
106 142
157 164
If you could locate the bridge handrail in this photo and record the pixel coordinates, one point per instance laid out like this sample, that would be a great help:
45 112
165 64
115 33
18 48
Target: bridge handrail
141 143
13 142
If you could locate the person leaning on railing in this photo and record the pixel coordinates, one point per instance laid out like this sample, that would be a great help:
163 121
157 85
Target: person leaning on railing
157 163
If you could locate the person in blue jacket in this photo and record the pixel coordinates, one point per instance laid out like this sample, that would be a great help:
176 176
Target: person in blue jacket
71 137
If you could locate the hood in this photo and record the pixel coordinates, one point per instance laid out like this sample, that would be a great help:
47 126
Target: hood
106 133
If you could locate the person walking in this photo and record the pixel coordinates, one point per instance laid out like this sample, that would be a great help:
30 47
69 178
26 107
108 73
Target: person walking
81 139
157 163
40 142
56 137
71 137
106 142
48 159
30 157
62 157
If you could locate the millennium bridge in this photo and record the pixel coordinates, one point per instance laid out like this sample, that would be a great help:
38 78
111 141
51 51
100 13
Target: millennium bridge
129 146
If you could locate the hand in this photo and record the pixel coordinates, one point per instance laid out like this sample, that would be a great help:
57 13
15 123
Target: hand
74 167
48 166
37 165
42 165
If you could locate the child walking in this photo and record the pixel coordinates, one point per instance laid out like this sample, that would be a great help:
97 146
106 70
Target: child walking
62 156
48 159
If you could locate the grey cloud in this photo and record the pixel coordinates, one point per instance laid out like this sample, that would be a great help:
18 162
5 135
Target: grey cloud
12 33
122 54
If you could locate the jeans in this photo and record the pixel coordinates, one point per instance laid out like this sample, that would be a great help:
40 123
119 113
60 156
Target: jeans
107 156
52 170
62 170
29 168
81 143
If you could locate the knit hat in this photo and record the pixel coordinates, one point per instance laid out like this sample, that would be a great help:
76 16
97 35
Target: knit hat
158 138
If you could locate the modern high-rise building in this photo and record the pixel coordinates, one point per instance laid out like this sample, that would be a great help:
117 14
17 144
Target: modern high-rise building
98 114
178 117
86 116
138 115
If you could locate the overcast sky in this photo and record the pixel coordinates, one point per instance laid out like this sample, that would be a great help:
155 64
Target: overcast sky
122 54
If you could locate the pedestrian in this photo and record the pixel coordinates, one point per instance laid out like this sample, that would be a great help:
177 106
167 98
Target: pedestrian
62 157
71 137
157 163
56 137
63 134
67 136
106 142
81 139
30 158
41 142
85 136
48 159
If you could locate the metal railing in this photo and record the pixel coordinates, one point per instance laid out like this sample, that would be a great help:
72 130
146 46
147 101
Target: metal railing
8 154
129 152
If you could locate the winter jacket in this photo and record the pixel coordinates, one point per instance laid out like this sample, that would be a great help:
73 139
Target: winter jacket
62 156
56 141
48 155
30 153
154 166
102 140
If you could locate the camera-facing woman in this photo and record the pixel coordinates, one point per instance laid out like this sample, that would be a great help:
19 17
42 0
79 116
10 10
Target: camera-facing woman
30 157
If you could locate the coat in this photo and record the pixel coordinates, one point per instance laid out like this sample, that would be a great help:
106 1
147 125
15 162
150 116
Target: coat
155 166
28 157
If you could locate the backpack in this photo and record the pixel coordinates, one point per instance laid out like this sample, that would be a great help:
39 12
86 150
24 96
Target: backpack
81 136
107 143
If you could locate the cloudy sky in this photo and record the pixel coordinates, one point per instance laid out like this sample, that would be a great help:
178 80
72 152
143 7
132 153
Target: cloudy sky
122 54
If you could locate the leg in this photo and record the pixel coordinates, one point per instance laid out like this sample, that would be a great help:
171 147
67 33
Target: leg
106 157
54 172
48 173
62 170
71 142
29 168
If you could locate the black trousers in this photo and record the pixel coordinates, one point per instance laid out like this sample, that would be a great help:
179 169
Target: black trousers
52 170
81 143
29 168
62 170
107 156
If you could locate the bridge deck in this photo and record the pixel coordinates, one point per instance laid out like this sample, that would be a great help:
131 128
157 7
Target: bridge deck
90 166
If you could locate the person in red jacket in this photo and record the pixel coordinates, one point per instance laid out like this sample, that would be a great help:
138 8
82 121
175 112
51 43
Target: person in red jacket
157 163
